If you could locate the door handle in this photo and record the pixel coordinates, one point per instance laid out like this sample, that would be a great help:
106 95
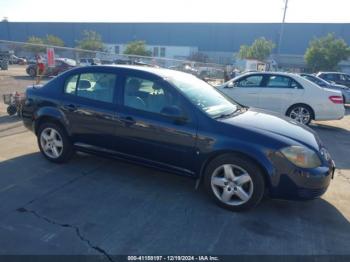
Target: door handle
70 107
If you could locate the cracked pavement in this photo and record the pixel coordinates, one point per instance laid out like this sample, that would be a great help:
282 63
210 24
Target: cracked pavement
104 207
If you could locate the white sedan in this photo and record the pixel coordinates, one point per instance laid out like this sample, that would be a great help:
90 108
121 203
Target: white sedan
287 94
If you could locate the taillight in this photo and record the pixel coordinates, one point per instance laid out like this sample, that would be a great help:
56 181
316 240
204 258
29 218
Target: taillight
336 99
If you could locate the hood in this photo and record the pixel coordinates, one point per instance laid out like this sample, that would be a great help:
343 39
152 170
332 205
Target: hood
274 123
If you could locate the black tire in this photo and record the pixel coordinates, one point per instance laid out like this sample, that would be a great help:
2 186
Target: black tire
254 171
11 110
67 149
304 107
32 72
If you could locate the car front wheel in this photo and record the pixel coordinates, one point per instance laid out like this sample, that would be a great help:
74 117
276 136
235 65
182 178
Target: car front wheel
234 182
54 143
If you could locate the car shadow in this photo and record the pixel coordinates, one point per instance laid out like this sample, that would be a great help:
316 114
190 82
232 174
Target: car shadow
347 109
337 141
27 77
7 119
128 209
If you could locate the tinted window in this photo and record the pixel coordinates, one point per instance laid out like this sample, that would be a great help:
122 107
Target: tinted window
249 81
71 84
149 96
315 80
310 78
329 76
95 86
344 77
294 84
278 82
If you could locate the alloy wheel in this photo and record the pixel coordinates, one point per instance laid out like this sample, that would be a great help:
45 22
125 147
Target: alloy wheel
51 142
232 184
300 114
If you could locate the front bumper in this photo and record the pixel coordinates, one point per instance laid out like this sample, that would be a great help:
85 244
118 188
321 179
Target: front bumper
291 182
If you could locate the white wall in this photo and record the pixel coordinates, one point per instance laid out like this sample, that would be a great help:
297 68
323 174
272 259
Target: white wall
173 52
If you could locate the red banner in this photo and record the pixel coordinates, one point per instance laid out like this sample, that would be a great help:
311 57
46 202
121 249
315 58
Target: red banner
50 57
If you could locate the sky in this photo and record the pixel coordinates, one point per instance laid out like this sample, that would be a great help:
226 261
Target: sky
306 11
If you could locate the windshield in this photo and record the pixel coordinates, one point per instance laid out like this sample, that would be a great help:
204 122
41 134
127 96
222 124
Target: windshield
204 96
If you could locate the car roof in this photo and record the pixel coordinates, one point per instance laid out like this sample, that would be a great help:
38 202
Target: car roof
337 73
268 73
161 72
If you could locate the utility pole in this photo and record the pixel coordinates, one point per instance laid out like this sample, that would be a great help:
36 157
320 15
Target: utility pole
282 26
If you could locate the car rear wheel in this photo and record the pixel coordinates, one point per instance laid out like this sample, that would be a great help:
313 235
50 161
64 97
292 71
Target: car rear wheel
11 110
234 183
54 143
300 113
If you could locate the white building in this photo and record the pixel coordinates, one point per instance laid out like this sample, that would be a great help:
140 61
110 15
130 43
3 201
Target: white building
161 51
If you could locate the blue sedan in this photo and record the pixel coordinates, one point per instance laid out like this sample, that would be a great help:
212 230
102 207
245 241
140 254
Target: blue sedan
176 122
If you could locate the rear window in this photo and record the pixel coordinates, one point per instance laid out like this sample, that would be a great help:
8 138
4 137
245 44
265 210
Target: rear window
329 76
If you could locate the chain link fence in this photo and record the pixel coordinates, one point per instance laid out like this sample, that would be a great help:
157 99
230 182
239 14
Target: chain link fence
66 57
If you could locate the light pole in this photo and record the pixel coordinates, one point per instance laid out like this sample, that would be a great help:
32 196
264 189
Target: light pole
282 27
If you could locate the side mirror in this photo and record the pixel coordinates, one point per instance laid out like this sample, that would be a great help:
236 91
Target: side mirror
175 113
230 85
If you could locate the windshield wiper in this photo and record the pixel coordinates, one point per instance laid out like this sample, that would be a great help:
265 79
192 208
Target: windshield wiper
239 110
227 115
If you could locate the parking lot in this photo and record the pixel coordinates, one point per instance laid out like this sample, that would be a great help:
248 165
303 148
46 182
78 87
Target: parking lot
106 207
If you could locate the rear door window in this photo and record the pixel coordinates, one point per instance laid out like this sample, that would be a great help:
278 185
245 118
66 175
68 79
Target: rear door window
94 86
249 81
276 81
97 86
71 84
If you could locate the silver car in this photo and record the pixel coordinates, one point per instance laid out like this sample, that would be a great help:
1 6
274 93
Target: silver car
323 83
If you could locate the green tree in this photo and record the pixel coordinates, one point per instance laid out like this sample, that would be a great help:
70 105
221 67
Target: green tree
91 41
32 43
260 49
325 53
53 40
137 48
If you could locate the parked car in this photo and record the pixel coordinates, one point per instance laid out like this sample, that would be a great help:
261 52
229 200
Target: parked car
61 65
176 122
4 59
336 77
89 61
286 94
323 83
17 60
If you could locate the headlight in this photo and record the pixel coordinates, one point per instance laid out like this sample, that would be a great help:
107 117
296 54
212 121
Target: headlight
301 156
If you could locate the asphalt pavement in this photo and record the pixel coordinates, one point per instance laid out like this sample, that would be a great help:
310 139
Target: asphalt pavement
101 206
